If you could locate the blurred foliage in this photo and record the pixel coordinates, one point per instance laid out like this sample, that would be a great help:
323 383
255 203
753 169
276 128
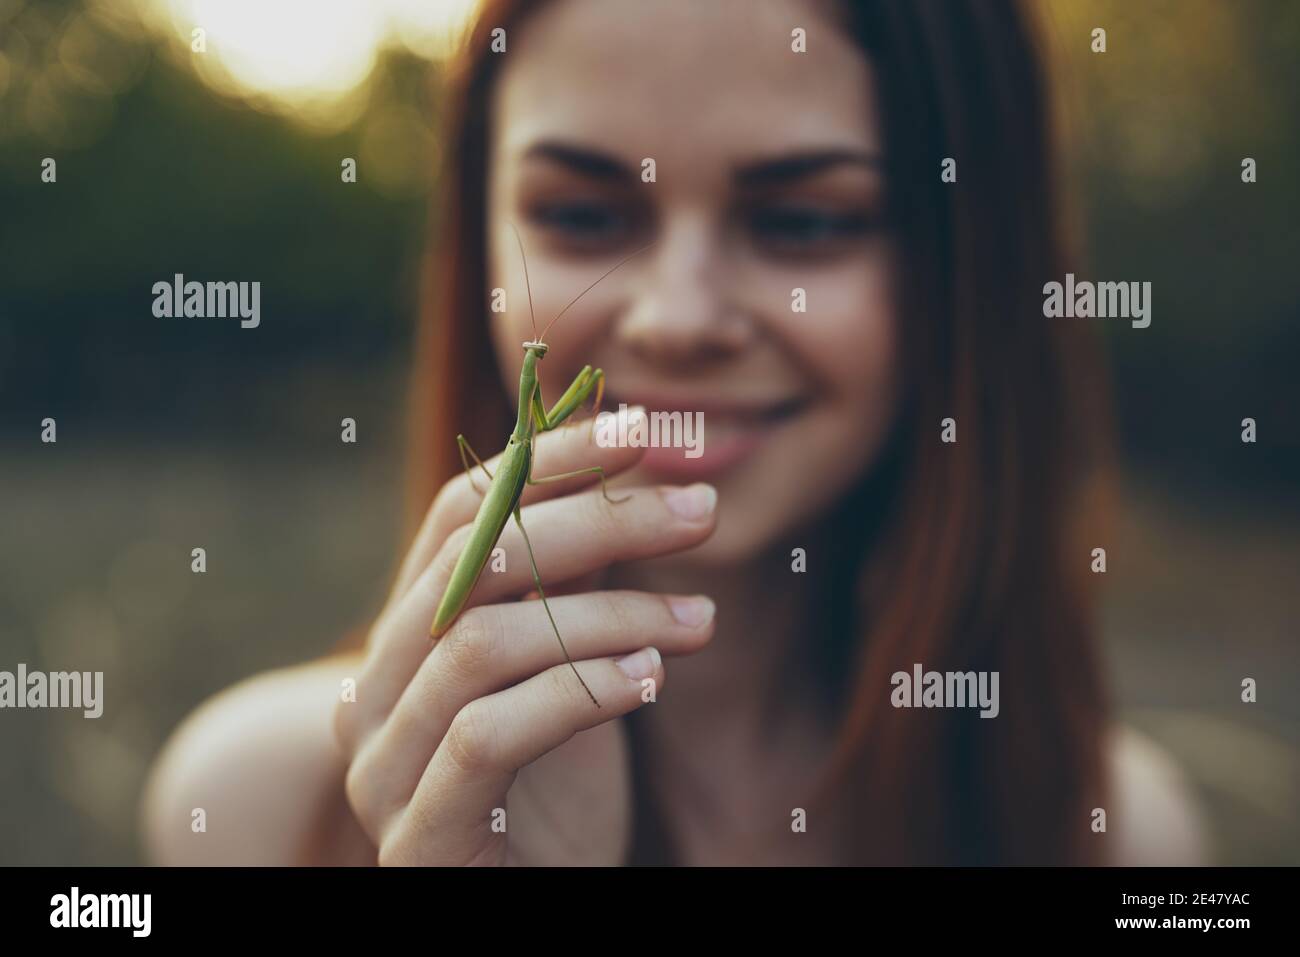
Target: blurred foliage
1156 129
164 176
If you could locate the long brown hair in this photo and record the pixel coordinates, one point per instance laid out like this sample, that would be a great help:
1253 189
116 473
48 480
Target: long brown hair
963 556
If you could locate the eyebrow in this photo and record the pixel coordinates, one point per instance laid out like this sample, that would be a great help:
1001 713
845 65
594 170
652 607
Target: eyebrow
580 159
795 166
767 172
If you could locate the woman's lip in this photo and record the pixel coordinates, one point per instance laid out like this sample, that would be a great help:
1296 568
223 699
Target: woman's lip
715 457
741 427
752 409
717 452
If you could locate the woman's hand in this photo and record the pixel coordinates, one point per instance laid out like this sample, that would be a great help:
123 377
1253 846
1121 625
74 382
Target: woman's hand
439 733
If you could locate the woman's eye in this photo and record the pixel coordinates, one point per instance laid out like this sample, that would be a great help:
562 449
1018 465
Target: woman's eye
799 228
581 221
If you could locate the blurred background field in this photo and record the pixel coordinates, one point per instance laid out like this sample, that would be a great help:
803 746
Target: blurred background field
175 434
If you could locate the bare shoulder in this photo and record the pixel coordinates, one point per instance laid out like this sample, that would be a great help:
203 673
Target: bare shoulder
261 761
1155 817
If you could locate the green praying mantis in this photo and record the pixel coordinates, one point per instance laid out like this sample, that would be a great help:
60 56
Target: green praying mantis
515 470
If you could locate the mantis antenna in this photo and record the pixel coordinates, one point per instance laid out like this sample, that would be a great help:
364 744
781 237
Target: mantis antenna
529 286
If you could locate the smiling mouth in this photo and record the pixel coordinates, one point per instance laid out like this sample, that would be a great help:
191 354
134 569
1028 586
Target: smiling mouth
715 411
726 433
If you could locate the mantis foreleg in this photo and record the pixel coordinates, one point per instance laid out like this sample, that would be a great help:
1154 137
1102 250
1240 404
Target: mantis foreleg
568 404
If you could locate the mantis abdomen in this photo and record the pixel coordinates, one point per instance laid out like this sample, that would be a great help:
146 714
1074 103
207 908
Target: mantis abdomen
495 510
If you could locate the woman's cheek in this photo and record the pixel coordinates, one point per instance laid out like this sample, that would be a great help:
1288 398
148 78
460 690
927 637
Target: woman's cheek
802 471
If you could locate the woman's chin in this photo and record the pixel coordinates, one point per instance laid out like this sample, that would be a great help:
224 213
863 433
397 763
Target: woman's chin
746 527
733 542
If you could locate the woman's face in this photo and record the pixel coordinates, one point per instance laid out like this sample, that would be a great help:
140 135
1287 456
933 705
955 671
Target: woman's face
767 180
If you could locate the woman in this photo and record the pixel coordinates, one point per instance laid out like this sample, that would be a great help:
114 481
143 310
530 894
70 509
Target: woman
901 458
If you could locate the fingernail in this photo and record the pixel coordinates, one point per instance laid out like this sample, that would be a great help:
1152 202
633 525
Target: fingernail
640 664
694 611
692 503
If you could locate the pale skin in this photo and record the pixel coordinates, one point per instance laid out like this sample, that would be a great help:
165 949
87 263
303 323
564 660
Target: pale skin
492 718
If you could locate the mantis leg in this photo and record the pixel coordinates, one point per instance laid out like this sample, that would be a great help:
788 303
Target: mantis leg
604 489
573 398
599 376
565 406
537 580
463 445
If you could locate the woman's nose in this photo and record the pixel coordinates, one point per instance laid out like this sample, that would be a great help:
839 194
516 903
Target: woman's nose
686 310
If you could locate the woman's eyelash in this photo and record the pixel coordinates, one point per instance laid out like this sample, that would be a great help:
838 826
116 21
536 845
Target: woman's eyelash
583 219
787 227
808 224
